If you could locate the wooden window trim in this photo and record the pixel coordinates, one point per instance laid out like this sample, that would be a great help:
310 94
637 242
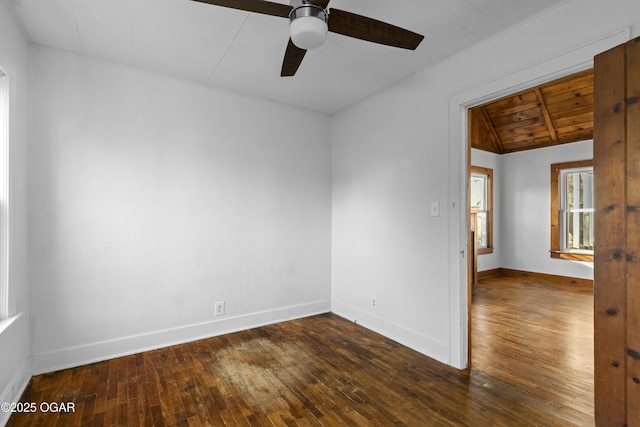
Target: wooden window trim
489 173
555 212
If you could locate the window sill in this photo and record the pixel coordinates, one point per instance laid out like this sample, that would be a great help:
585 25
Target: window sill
485 251
5 323
572 256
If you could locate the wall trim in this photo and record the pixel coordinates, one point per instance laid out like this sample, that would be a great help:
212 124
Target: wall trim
15 388
8 90
421 343
109 349
489 273
551 279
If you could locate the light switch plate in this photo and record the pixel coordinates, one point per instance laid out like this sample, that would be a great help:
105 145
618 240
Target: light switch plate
435 208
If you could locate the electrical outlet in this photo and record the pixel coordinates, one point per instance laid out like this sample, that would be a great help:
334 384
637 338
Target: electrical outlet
219 307
374 303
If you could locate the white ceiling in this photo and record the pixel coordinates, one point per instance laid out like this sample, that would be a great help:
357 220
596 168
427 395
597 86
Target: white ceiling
242 52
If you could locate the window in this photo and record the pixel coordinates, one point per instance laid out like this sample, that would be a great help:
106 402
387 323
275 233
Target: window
572 210
481 203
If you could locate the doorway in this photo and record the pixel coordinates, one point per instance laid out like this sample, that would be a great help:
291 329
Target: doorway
558 66
615 364
511 312
556 116
520 135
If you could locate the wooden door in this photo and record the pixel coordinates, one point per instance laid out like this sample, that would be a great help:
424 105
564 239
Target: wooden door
472 274
617 235
473 249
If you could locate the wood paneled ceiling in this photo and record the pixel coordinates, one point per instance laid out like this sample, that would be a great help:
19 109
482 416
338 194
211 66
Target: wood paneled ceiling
558 112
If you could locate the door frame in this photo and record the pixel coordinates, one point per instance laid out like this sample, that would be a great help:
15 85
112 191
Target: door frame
572 61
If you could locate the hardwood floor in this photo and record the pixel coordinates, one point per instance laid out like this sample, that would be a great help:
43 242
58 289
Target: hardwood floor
538 337
532 358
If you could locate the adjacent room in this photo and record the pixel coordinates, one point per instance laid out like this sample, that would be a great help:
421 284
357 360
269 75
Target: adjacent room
532 230
204 223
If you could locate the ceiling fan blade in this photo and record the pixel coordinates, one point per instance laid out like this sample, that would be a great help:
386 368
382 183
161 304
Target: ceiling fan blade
257 6
322 3
292 58
363 28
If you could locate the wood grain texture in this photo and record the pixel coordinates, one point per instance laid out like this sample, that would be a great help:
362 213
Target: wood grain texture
532 365
364 28
536 336
482 134
256 6
548 279
293 57
556 112
633 230
545 113
610 252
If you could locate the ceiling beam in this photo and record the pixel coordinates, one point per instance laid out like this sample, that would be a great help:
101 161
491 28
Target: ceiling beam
495 140
547 118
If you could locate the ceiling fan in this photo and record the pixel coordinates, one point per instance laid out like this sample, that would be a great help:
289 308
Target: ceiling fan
310 21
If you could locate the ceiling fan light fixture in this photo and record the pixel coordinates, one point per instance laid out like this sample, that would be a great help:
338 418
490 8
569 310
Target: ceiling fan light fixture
308 26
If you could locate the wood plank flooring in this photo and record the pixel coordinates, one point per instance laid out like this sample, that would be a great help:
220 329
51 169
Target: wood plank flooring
532 365
538 337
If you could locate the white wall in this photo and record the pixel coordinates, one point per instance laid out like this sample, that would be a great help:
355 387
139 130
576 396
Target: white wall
152 199
526 207
396 152
493 161
15 367
388 169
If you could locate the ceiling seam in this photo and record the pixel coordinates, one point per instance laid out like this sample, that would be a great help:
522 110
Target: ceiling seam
75 21
131 32
227 49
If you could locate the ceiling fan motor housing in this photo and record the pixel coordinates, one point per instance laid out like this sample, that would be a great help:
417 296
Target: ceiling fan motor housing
308 24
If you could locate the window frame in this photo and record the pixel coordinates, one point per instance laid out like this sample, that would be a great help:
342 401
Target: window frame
488 172
556 250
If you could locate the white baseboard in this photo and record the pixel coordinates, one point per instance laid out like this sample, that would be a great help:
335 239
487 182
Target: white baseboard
15 388
98 351
421 343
